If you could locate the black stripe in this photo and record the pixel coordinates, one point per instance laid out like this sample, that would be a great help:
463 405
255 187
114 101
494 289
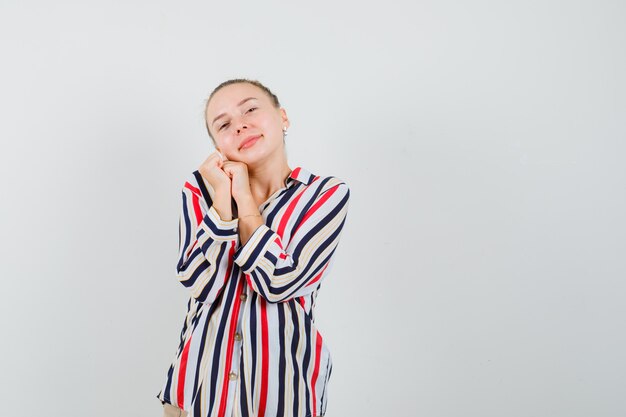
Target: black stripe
215 229
185 216
305 366
294 348
203 338
326 377
311 233
197 411
321 225
302 280
196 317
203 189
267 235
282 360
204 265
253 332
311 177
258 275
168 384
285 200
182 332
207 198
243 396
309 203
211 283
219 338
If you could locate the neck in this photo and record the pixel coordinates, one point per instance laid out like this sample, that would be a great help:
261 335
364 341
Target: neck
266 180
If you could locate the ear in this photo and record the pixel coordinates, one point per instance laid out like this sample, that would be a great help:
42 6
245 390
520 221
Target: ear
283 116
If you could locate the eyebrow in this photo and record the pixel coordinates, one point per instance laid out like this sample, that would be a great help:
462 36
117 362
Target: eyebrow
238 104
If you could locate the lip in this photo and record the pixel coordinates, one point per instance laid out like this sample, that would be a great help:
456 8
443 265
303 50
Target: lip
248 140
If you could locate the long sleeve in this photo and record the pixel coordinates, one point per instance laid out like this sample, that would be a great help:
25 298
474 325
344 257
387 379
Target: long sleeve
206 246
280 273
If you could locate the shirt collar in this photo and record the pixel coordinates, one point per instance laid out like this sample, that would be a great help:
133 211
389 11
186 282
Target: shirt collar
299 174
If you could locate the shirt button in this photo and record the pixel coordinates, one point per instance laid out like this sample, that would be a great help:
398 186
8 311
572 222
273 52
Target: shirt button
235 230
238 337
232 376
243 297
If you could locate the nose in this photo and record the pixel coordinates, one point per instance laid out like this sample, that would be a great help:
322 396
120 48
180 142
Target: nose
240 126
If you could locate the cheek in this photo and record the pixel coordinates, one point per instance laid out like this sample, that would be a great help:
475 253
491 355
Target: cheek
265 120
224 142
270 126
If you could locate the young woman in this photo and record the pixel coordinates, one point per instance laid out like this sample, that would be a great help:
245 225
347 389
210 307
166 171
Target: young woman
257 239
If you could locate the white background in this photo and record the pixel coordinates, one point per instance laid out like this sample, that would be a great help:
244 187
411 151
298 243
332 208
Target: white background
481 269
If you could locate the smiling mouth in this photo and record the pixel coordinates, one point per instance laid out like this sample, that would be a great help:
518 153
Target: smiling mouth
250 142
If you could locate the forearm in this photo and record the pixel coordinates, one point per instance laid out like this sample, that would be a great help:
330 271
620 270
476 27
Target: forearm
280 270
249 218
206 244
222 204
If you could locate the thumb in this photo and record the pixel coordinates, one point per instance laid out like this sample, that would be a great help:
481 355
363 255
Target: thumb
222 157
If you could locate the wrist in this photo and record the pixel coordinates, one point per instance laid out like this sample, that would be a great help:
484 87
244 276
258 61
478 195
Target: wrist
225 214
246 204
222 191
243 216
247 209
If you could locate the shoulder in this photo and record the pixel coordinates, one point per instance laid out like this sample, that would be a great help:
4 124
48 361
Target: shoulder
190 183
194 183
332 184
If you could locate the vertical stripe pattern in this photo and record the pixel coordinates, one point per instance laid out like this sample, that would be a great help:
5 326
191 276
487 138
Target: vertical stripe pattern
249 345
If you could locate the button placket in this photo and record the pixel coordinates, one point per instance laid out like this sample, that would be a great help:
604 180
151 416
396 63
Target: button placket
237 348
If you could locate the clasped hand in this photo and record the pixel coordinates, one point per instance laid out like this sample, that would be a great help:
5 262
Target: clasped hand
227 176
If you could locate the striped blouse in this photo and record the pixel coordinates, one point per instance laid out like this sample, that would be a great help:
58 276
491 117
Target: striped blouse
249 345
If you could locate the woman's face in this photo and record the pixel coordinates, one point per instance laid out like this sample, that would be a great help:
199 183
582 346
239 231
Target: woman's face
242 111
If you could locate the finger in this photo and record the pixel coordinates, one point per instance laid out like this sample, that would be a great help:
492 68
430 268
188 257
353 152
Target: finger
228 170
215 158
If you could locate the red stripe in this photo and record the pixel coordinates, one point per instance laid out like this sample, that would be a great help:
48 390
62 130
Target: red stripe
180 392
288 212
318 276
180 389
196 208
318 349
191 248
195 202
230 264
231 342
264 359
195 190
313 209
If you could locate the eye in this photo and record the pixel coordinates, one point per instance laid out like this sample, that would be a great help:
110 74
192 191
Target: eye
227 123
